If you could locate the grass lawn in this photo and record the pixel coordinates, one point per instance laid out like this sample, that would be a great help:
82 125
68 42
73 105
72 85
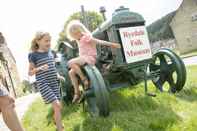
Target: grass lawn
131 110
193 53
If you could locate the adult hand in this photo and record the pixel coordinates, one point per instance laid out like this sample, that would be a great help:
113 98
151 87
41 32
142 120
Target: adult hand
10 100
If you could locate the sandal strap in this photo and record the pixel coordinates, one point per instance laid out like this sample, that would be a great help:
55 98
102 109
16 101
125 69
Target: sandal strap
85 79
77 94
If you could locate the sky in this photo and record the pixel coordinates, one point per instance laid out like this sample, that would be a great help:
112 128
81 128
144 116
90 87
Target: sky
20 19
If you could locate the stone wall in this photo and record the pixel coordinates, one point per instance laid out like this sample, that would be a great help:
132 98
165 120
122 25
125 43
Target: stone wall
6 55
184 26
171 44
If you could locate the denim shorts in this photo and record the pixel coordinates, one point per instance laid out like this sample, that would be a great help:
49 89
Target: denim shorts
3 91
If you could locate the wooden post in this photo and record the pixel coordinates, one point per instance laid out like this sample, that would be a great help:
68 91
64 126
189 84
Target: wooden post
102 11
85 21
9 73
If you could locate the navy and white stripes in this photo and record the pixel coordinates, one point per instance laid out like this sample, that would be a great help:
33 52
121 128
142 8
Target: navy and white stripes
47 80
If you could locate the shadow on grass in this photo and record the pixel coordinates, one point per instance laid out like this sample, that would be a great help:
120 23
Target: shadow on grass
67 110
131 113
189 93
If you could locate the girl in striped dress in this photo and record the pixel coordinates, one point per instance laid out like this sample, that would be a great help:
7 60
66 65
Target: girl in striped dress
42 64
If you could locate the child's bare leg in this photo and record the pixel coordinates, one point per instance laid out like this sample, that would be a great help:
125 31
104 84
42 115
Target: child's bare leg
57 115
75 84
77 68
75 64
9 114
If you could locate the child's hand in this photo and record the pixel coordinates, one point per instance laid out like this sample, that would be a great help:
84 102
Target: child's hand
43 67
61 78
115 45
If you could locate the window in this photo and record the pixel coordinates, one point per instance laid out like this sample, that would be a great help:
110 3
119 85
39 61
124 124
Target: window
195 1
194 17
188 39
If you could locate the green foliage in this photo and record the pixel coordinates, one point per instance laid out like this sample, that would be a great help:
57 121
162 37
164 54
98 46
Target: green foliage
26 86
131 110
23 89
93 18
160 29
190 54
20 92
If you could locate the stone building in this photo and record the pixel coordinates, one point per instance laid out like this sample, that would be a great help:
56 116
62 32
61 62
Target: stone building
8 67
184 26
169 43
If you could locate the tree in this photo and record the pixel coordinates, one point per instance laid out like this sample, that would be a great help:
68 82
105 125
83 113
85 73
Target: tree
26 86
160 29
93 18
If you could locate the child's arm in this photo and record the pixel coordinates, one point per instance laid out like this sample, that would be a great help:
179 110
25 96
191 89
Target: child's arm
33 70
105 43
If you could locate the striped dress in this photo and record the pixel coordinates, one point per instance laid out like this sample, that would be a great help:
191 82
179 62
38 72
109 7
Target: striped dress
46 80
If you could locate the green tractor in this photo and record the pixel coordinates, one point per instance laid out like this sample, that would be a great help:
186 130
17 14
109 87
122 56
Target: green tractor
130 65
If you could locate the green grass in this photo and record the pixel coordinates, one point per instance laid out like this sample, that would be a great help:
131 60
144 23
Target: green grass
185 55
193 53
131 110
20 92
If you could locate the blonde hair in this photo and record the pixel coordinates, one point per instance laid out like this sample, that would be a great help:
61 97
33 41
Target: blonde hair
75 26
38 36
